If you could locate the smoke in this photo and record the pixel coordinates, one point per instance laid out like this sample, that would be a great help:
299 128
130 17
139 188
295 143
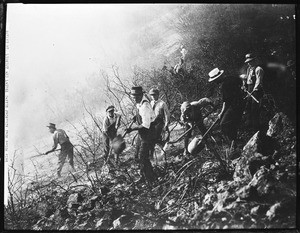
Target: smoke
55 49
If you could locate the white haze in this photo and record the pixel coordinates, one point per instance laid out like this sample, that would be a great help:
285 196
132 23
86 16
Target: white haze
54 49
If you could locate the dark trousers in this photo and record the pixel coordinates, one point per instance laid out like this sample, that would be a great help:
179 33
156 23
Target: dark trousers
199 125
66 151
253 108
144 146
107 139
230 122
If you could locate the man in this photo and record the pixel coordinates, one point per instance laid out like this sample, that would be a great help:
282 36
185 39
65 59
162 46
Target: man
145 127
162 114
232 108
111 123
253 84
60 137
191 115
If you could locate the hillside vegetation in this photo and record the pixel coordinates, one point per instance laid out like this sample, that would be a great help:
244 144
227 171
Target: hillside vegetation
253 188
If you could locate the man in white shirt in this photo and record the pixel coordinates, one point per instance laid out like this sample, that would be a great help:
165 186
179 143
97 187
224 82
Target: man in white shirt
162 114
111 123
145 127
60 137
161 111
253 84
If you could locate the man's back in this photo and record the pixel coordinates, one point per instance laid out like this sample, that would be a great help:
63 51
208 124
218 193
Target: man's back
60 136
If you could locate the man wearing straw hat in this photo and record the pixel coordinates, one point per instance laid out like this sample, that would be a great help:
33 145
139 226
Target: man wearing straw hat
146 129
232 108
111 123
253 84
60 137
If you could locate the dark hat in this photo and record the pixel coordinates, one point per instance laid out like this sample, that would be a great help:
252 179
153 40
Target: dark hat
249 57
154 91
290 63
215 74
110 108
51 125
137 90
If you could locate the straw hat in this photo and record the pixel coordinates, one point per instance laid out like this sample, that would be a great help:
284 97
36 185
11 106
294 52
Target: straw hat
215 74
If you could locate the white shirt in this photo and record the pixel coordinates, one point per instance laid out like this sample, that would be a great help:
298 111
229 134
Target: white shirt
161 109
108 121
259 73
146 112
59 137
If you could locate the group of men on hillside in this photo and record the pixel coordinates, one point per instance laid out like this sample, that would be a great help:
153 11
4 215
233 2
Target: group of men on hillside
153 117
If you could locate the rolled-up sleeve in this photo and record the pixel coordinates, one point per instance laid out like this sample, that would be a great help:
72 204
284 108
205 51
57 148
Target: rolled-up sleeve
259 72
167 114
55 140
105 124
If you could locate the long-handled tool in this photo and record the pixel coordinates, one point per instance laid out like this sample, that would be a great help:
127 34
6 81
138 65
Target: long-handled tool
250 94
196 145
41 154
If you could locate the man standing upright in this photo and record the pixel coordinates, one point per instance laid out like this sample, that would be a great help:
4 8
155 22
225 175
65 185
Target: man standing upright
253 84
145 127
233 104
111 123
162 114
60 137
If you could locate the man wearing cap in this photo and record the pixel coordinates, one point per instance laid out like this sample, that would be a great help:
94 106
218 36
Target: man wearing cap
111 123
60 137
232 108
161 112
145 127
253 84
191 115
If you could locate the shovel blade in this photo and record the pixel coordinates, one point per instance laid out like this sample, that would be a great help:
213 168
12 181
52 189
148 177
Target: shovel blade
118 144
196 145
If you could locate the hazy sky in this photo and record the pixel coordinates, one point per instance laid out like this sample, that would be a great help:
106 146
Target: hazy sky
53 49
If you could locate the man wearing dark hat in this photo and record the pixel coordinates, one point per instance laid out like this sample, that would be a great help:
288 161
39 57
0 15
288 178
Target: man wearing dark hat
191 115
145 127
233 104
60 137
253 84
161 112
111 123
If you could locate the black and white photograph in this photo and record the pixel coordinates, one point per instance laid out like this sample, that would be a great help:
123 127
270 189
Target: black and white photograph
149 116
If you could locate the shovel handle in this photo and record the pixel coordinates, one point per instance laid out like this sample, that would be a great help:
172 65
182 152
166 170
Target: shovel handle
128 127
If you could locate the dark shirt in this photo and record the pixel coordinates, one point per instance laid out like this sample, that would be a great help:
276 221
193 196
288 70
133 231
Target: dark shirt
231 91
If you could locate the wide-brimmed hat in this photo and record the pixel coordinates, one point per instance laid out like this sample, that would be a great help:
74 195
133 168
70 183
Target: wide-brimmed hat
137 90
249 57
154 91
215 74
110 108
51 125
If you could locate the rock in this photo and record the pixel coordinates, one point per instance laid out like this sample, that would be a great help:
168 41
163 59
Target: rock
254 210
264 182
259 143
241 172
122 221
271 213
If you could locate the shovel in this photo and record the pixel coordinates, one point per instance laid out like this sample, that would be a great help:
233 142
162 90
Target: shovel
196 145
118 143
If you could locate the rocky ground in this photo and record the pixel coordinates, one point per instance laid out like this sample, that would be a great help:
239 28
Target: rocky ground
255 190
